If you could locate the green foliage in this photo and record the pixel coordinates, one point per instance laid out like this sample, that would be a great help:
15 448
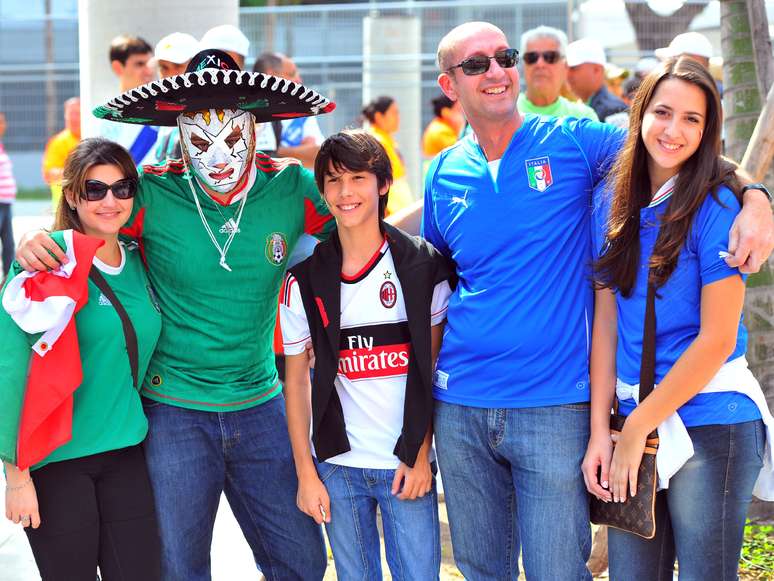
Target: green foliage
757 560
42 193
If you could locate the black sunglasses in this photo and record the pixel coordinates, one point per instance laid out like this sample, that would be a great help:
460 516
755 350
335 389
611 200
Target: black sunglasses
550 56
479 64
96 190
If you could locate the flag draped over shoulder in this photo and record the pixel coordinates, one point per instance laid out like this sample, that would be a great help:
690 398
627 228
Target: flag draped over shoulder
46 302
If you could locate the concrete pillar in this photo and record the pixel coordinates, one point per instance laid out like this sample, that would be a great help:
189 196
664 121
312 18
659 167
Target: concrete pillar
391 67
99 22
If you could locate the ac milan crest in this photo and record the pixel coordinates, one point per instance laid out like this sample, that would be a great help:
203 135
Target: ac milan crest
388 294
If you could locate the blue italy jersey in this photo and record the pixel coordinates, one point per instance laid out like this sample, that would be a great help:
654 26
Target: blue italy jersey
519 323
678 302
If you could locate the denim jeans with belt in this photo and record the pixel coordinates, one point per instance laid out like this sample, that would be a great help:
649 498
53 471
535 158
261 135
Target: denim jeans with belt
195 455
512 480
411 528
700 517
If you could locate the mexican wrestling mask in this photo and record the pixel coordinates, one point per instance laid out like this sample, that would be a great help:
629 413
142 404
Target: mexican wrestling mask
218 145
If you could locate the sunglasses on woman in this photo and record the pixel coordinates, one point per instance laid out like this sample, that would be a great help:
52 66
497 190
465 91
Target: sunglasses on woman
549 56
479 64
123 189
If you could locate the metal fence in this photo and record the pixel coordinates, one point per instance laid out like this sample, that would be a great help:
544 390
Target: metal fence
326 41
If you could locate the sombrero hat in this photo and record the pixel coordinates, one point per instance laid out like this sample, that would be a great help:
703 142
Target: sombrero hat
213 81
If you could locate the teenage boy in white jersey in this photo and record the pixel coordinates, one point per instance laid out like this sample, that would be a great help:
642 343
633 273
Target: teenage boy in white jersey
372 300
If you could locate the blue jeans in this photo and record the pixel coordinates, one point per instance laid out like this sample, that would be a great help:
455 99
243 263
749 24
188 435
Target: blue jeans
512 479
411 531
700 517
194 455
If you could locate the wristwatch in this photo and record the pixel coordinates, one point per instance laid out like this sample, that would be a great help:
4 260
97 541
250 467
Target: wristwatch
760 187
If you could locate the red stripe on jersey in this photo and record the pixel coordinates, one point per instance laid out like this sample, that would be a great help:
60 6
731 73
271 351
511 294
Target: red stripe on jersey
321 308
135 231
377 255
175 166
314 222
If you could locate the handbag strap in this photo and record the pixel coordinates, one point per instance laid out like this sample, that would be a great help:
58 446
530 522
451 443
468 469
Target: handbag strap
130 337
648 359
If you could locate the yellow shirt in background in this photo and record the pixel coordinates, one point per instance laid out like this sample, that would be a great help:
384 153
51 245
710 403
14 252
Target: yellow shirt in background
400 193
438 136
57 150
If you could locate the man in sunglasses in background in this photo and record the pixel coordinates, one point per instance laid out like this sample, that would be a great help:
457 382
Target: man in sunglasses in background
511 205
543 51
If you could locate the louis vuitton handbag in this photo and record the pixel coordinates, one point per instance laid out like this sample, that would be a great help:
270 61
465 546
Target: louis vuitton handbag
637 514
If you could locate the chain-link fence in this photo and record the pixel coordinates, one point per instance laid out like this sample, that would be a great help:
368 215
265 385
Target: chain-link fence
326 41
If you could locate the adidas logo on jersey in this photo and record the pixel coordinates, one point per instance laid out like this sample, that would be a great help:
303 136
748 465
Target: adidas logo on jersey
103 301
229 227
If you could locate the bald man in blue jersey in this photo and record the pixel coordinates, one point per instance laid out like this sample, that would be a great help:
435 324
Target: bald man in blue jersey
511 205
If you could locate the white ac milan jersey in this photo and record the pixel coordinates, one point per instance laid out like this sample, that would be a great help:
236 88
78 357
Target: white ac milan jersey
374 352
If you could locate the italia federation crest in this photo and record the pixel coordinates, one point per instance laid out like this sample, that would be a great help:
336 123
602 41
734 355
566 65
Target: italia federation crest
276 248
539 173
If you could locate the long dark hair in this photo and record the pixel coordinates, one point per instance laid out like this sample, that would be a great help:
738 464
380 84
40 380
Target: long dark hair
703 172
87 154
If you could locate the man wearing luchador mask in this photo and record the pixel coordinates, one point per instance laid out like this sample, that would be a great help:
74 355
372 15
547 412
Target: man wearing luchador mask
215 229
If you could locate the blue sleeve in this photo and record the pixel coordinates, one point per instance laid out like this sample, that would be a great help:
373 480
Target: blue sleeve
709 235
429 228
600 143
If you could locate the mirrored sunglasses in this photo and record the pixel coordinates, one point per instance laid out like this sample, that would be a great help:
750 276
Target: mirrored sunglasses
123 189
549 56
479 64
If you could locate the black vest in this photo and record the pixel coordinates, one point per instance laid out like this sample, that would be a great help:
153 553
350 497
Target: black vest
419 267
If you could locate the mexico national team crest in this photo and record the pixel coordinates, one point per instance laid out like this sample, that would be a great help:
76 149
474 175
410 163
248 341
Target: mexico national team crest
388 294
276 248
539 173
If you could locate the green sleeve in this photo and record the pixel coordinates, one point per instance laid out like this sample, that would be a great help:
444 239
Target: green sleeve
14 366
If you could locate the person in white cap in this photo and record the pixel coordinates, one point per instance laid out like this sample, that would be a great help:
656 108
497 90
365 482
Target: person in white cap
229 39
173 52
172 55
691 44
586 76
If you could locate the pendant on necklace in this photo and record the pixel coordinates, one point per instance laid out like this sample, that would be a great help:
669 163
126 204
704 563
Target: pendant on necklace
223 264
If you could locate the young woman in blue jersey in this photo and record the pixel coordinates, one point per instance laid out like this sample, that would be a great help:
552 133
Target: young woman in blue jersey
382 295
664 217
86 501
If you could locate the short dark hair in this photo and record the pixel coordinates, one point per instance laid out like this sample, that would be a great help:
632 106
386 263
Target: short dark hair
268 61
124 46
354 150
378 105
87 154
440 103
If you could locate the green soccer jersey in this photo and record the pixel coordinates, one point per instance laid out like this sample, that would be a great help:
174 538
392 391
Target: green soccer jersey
107 412
215 350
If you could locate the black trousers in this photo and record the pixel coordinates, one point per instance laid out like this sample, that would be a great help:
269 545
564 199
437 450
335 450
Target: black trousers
96 510
6 236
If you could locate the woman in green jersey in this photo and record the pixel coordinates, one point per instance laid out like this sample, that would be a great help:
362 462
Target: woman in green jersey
76 474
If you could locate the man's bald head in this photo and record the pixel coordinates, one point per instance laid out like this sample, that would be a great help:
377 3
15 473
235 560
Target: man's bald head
455 37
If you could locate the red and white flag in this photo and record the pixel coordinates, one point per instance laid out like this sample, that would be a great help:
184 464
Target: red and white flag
46 302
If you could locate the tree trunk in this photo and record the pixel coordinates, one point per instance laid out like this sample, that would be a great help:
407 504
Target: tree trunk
742 108
654 31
